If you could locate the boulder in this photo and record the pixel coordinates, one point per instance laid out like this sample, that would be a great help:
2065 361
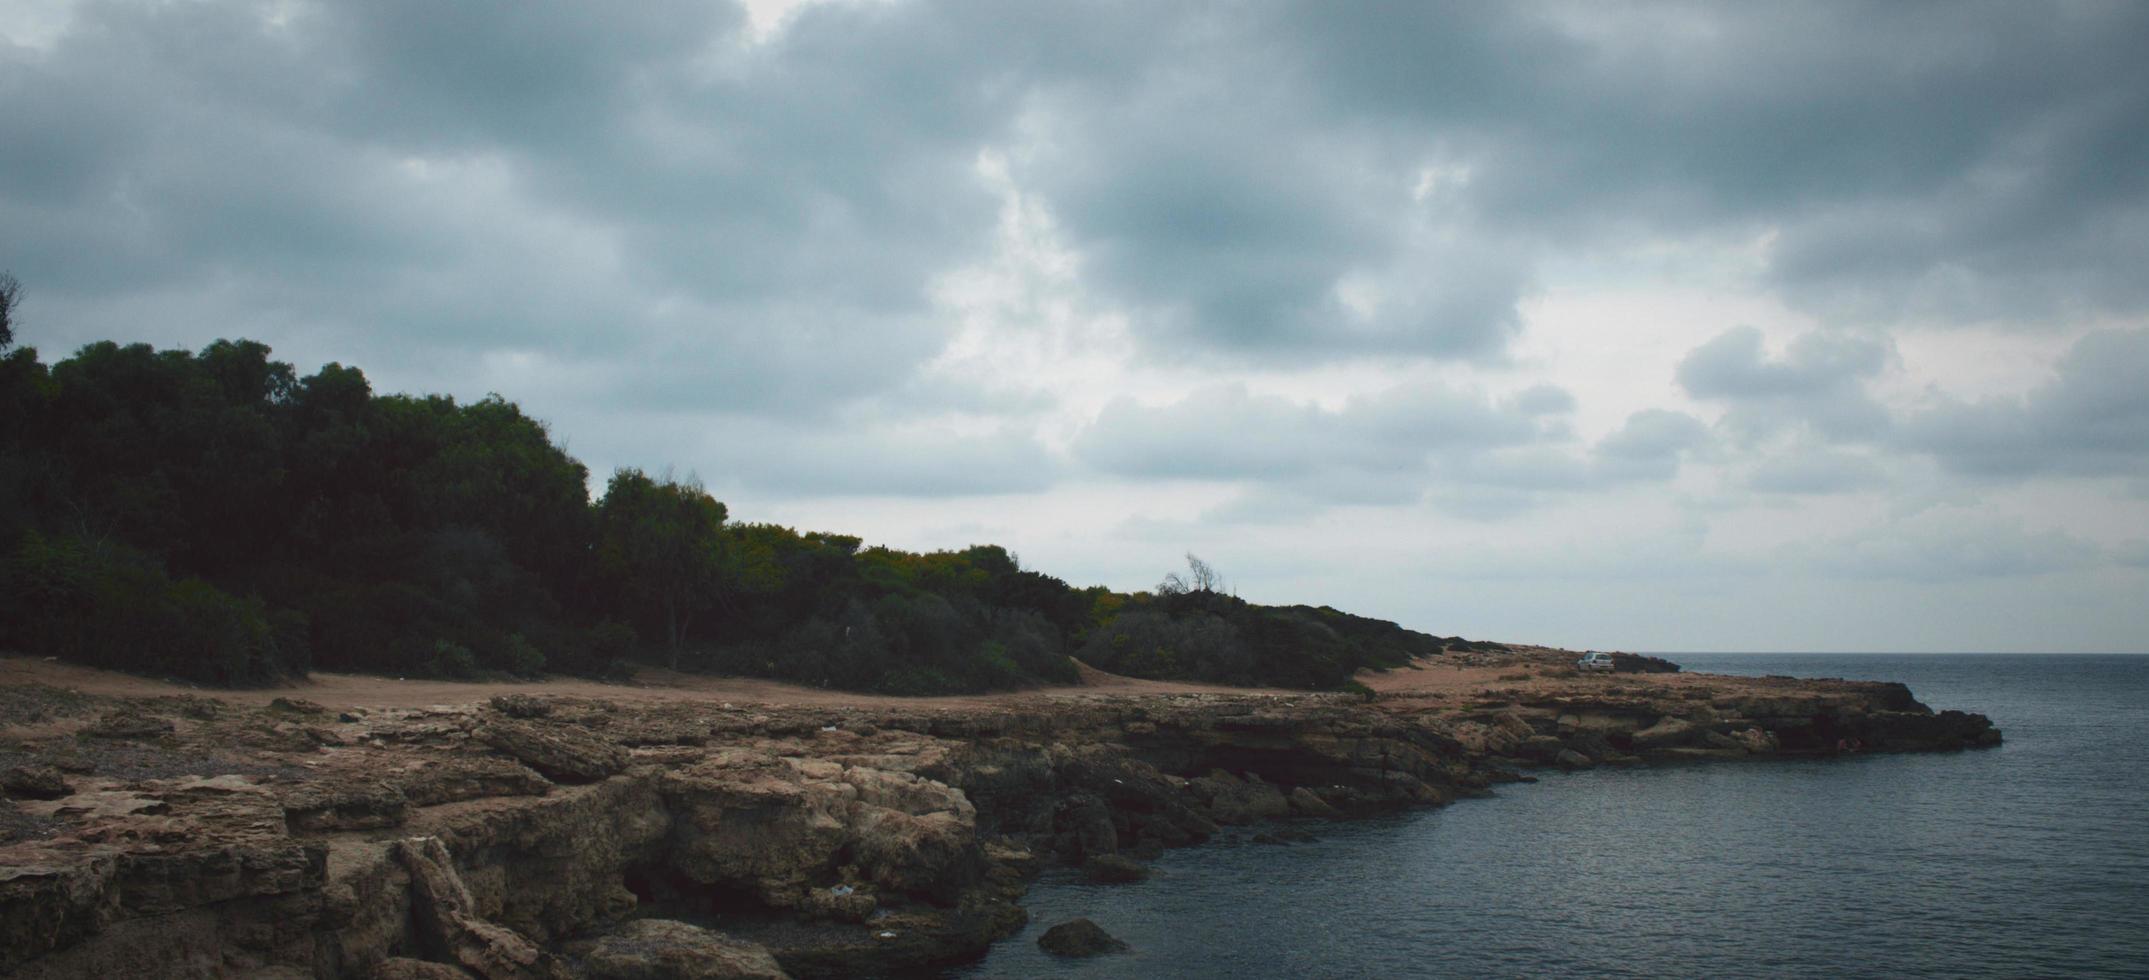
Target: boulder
34 783
1078 937
1570 759
1308 803
1235 800
1086 827
563 753
1111 869
935 855
661 949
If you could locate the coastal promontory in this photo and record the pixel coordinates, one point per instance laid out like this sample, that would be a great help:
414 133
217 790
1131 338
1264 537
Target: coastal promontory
367 827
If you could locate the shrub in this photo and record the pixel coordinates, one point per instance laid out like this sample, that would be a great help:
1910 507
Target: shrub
110 606
451 659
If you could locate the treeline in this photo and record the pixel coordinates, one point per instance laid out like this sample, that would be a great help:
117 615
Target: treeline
217 516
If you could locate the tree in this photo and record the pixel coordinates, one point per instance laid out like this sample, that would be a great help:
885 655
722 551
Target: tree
662 541
10 294
1200 577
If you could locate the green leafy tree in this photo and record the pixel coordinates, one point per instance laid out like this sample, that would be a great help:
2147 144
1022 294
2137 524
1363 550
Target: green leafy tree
662 542
10 295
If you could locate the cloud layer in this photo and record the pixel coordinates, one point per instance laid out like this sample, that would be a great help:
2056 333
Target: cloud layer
1260 273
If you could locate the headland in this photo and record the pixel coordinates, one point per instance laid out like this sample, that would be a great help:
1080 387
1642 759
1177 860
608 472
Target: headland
368 827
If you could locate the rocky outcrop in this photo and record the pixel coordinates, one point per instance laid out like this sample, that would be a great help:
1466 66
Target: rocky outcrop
534 837
447 927
42 782
1079 938
662 949
561 753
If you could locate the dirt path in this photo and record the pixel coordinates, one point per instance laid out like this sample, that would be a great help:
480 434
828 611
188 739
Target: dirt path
342 691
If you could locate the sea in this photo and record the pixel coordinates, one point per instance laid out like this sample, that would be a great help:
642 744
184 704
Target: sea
2027 860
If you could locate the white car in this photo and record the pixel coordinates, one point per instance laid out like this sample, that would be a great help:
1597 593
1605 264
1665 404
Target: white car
1594 660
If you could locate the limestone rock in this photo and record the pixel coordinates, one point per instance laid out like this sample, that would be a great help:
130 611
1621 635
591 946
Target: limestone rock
297 706
1078 937
363 805
34 783
446 922
1758 741
1668 731
935 856
405 968
129 725
1308 803
661 949
521 706
468 776
1235 800
563 753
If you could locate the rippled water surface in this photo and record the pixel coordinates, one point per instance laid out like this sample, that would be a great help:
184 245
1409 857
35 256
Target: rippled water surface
2029 859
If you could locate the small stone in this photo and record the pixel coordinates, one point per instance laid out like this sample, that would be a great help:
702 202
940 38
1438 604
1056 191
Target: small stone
1078 937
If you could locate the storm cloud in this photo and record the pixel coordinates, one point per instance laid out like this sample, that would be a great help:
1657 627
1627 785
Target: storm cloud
1285 276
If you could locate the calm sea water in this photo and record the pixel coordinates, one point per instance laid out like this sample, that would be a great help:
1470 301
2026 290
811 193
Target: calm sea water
2027 860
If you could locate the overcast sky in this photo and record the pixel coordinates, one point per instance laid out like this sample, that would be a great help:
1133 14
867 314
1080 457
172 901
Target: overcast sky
1651 326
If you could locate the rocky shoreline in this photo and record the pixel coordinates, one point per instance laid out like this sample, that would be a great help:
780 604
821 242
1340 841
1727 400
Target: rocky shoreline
550 836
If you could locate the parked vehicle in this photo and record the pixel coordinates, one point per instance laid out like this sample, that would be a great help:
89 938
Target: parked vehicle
1594 660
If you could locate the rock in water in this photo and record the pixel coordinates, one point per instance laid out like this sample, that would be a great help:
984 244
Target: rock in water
1111 869
1078 937
661 949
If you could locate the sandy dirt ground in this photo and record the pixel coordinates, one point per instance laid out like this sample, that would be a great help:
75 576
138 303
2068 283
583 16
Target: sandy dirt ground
344 691
1528 670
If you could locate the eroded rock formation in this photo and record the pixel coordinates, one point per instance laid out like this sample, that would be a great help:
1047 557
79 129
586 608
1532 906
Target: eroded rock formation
537 837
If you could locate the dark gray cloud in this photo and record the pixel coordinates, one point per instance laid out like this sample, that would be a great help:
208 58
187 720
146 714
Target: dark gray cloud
1964 159
2090 419
671 217
1471 455
1229 433
1235 176
1819 381
764 460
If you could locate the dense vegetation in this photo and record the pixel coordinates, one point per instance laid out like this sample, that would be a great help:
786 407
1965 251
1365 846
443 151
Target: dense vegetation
217 516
